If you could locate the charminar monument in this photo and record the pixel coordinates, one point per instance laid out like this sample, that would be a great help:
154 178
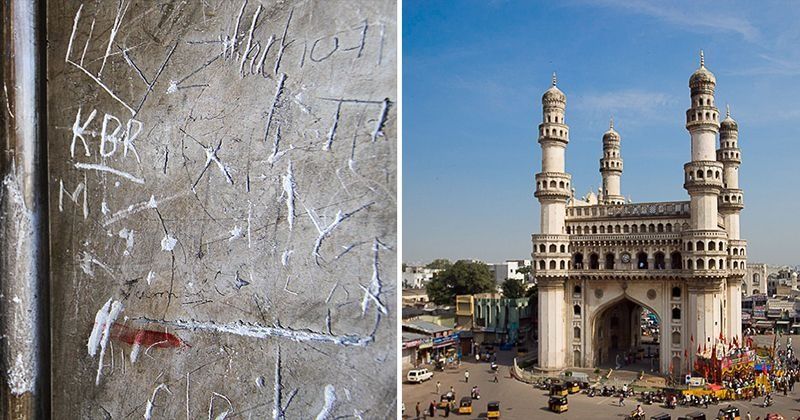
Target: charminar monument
600 261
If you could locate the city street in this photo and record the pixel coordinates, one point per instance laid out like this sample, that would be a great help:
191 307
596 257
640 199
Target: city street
523 401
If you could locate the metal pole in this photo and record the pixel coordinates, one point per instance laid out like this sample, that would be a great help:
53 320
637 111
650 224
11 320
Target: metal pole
24 277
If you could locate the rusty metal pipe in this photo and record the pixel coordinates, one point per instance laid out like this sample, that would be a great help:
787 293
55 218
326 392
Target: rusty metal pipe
24 256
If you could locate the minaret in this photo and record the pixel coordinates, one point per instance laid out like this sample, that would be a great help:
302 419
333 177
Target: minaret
703 173
552 184
731 203
704 242
731 200
551 247
611 167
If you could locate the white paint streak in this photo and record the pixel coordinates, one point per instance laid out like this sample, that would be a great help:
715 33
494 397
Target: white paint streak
330 399
249 218
286 286
107 316
127 234
249 44
324 232
168 243
277 154
378 132
74 196
236 233
114 30
79 130
148 412
104 168
173 87
20 376
373 292
285 256
74 29
224 414
262 332
88 261
152 203
288 189
135 349
97 331
8 103
277 410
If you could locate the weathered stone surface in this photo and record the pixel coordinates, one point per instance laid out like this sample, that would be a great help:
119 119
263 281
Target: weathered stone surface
223 193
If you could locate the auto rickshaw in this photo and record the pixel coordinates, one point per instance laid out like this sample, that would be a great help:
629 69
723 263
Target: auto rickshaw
572 387
728 413
465 407
558 389
558 404
493 410
447 400
693 416
661 416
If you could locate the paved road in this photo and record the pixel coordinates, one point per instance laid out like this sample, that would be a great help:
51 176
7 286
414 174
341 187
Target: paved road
522 401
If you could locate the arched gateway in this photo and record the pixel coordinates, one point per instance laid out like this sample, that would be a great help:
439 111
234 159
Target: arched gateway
606 266
625 331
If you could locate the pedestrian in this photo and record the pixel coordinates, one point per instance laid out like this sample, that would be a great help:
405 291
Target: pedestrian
466 376
418 411
748 416
477 357
495 378
447 410
452 391
438 385
432 409
621 400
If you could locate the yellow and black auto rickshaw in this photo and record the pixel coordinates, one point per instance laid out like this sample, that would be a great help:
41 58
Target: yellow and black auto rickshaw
728 413
493 410
447 400
558 389
465 406
573 387
557 404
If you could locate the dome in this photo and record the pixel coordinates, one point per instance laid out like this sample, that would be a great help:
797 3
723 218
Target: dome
728 123
554 93
611 134
702 75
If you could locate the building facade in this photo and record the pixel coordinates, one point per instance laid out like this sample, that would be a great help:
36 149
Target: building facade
509 269
501 320
600 261
418 277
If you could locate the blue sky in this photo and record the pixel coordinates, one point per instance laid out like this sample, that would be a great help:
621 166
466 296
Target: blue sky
474 73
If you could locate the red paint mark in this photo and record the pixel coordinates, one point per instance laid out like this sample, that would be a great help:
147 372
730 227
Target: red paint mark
145 338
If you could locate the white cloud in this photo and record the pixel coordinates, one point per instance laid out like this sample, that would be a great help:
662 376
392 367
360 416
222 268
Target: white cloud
629 102
688 16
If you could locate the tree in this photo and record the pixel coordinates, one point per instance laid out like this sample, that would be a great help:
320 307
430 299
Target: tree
526 271
439 264
461 278
513 288
533 297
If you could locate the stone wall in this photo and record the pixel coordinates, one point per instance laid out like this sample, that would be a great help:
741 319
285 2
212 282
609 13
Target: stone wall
222 179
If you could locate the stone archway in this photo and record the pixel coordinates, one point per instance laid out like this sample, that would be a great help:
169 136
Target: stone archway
624 328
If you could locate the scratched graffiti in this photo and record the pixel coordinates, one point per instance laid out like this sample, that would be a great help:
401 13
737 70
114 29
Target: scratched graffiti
223 208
